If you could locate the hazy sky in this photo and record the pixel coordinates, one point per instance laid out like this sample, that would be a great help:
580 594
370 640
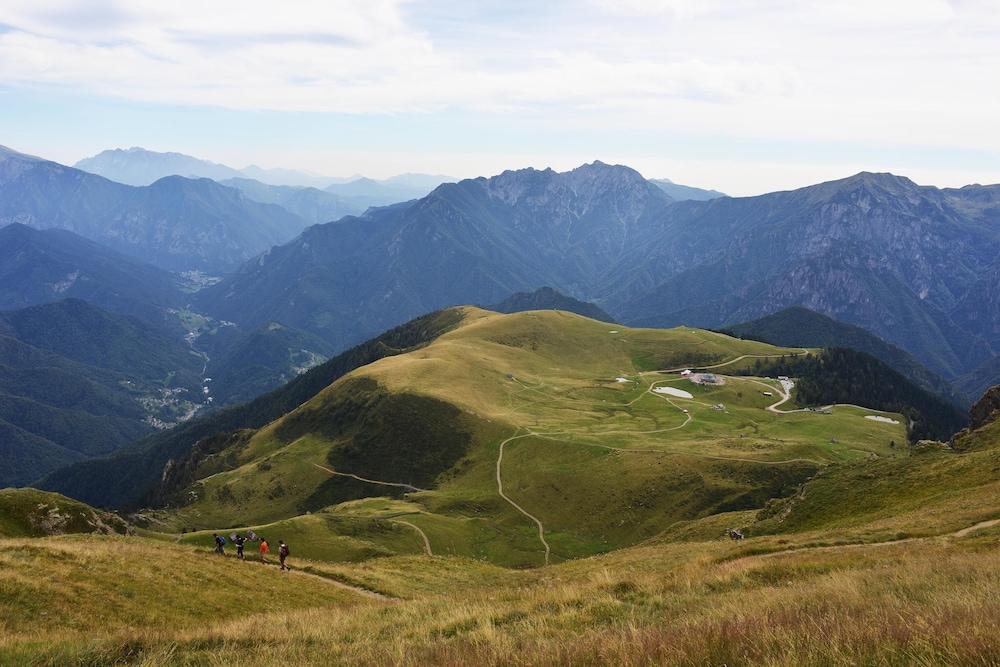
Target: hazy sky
741 95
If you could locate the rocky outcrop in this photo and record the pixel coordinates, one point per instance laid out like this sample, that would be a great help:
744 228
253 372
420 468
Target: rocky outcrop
986 410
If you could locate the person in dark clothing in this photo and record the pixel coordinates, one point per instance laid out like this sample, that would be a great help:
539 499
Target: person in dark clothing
283 553
239 541
220 544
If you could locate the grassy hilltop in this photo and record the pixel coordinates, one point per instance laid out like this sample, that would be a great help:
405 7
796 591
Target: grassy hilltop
860 549
590 450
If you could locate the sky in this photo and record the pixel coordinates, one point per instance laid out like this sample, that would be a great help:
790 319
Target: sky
744 96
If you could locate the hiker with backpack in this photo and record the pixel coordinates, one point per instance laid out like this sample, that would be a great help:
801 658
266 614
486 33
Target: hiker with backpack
283 553
220 544
239 540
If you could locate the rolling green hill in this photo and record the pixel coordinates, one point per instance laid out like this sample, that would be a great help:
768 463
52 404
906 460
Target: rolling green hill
568 414
892 553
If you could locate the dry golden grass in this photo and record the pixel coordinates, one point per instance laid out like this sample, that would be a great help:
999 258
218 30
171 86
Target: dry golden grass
932 601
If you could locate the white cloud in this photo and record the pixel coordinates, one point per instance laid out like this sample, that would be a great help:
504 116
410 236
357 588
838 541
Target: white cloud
896 72
342 57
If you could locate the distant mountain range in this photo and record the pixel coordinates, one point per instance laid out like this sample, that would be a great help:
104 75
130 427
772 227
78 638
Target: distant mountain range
311 204
874 250
176 223
679 192
353 194
914 265
138 166
476 241
366 192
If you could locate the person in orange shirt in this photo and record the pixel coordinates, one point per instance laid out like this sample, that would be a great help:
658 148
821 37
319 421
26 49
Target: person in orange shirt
264 549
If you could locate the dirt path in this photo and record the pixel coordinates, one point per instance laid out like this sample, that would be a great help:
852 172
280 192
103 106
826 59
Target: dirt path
785 397
973 528
296 572
801 352
374 595
427 542
886 543
399 485
536 520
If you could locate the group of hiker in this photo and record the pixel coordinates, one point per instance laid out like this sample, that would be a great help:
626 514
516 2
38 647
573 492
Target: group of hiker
263 548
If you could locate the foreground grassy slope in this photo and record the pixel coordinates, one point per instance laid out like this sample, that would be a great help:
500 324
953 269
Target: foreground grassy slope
762 601
591 450
56 594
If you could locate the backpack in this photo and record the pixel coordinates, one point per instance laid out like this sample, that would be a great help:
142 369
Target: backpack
283 551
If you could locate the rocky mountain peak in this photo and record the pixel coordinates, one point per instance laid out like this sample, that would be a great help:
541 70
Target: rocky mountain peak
881 183
589 181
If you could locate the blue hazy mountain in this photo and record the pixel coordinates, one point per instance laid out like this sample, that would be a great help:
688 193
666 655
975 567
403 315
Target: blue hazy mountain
138 166
311 204
680 192
476 241
873 250
176 223
41 266
363 193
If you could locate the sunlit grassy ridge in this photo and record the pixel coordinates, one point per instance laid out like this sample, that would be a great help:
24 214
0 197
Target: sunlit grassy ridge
590 450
